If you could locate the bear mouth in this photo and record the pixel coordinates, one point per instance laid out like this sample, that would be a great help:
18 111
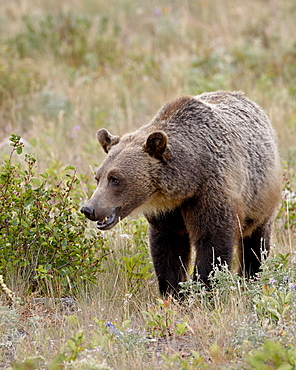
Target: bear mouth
109 221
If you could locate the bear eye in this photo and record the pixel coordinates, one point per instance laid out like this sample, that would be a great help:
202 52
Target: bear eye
113 180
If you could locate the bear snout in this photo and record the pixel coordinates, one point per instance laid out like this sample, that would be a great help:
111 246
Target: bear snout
88 212
106 217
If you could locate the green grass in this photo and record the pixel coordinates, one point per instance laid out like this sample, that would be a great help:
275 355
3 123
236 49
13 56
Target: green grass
70 68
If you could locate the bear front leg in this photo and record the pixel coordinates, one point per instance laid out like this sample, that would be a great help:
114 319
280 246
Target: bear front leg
213 231
213 249
170 250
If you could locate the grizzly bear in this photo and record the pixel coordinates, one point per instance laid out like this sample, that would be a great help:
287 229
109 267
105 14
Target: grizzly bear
206 174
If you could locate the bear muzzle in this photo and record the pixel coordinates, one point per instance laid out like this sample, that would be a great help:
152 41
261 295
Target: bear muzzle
88 212
106 218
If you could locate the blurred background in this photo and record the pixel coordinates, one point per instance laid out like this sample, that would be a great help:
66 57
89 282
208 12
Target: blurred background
68 68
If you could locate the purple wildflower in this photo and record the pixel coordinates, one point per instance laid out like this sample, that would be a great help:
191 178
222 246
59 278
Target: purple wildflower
112 328
272 281
157 12
75 131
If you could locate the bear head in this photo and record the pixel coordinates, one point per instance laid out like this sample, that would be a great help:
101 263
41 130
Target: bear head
128 178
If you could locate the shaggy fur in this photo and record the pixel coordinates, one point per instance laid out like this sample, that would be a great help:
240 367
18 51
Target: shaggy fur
206 174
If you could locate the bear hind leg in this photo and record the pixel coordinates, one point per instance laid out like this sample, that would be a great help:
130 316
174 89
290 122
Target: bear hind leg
252 249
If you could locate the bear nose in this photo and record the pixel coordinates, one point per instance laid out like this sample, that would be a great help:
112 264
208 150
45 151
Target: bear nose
88 212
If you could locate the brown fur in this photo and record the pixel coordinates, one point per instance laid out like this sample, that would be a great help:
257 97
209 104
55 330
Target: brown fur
205 172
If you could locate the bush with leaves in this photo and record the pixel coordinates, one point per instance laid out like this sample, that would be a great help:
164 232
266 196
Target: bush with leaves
273 355
45 243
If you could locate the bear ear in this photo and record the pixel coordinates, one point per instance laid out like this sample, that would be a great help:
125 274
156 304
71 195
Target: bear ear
106 139
156 144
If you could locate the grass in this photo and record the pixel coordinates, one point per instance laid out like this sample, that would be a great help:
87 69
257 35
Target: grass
69 68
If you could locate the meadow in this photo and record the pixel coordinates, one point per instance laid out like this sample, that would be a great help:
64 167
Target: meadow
74 298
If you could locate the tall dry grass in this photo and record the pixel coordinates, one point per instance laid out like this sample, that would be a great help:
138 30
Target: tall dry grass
162 51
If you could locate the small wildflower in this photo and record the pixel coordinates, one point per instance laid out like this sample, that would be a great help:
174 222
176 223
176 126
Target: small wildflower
125 236
112 328
75 131
127 299
157 12
272 281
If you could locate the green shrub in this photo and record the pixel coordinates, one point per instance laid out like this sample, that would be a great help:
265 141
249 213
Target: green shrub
44 241
135 262
273 355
